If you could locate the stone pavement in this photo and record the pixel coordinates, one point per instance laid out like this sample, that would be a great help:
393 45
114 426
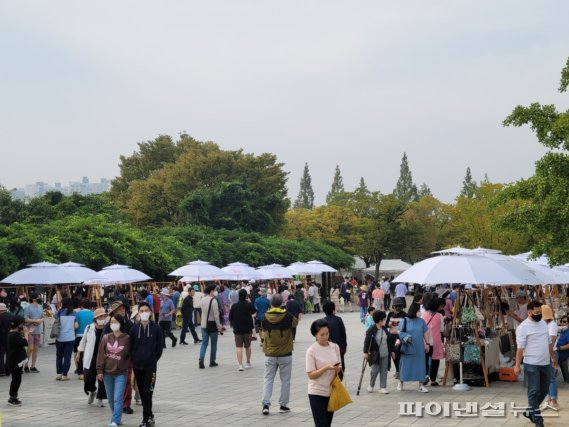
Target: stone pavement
186 395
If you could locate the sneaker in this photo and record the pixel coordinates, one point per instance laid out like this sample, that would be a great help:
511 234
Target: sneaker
400 386
427 380
58 377
383 391
91 398
34 370
265 409
14 401
81 377
369 389
143 424
247 366
100 403
202 366
423 389
241 368
197 342
151 421
128 410
113 425
183 343
27 369
434 384
213 364
549 405
64 378
396 376
284 409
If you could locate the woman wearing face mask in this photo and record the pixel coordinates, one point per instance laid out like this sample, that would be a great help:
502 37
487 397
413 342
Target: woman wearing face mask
112 364
393 320
377 349
562 346
89 347
547 316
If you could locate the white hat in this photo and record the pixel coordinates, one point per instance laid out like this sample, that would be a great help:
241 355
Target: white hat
165 292
3 307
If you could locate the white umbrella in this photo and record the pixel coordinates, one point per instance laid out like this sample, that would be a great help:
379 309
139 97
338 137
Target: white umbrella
324 268
240 271
469 269
303 268
275 271
84 274
123 274
200 270
42 273
454 251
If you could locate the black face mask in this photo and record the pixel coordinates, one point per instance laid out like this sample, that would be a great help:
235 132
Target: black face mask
536 317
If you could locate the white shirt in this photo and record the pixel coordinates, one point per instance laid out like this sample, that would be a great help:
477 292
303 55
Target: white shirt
533 337
553 330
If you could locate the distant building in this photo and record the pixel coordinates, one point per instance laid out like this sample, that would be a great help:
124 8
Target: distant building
83 187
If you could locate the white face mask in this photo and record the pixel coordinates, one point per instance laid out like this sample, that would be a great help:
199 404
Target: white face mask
144 316
100 322
563 328
215 294
115 327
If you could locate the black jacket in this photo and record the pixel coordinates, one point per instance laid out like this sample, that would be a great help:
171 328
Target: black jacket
16 351
188 307
337 332
5 319
145 345
240 317
370 339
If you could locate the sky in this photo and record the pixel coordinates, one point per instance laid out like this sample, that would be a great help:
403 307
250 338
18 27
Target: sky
329 83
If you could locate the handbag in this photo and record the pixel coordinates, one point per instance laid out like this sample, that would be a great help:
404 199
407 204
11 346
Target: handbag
468 315
339 396
210 325
405 348
471 354
55 328
452 350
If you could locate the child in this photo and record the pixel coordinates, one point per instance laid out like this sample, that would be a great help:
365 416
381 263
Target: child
16 355
369 318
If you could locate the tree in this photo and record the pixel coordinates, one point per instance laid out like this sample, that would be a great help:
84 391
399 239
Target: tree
305 199
424 191
538 205
405 190
10 210
337 186
469 186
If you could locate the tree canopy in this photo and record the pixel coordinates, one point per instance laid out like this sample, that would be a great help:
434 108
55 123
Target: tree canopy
305 198
405 189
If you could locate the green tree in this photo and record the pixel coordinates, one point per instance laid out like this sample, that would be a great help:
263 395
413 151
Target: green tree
10 210
538 205
337 186
469 185
424 191
405 190
305 198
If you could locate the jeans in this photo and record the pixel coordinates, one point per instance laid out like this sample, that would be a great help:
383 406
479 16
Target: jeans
188 324
284 365
145 380
553 384
537 378
115 385
63 356
206 336
363 312
381 369
319 407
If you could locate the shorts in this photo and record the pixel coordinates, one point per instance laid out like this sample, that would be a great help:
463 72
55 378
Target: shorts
76 344
243 340
34 340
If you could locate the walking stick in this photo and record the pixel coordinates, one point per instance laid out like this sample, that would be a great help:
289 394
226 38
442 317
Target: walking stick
364 364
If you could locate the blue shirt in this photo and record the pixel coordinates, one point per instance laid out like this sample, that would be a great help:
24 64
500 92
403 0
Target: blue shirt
66 326
262 304
166 305
84 317
34 312
150 300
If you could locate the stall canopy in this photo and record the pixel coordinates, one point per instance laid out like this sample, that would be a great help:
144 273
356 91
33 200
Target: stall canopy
83 274
275 272
388 266
42 273
197 271
123 274
237 271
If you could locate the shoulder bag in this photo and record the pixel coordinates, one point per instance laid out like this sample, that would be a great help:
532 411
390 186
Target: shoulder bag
210 325
339 396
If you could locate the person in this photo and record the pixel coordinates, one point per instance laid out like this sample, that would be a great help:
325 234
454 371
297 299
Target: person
156 305
299 297
385 287
521 313
33 315
167 310
363 303
88 350
294 308
209 306
323 363
65 340
278 347
241 320
335 296
337 331
146 349
187 315
377 342
197 305
262 304
436 352
233 295
84 317
401 292
378 297
313 297
413 334
548 317
562 346
16 307
112 365
147 298
5 318
15 356
393 320
368 322
536 349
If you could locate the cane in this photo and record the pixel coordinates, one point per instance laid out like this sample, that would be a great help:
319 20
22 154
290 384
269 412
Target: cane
364 364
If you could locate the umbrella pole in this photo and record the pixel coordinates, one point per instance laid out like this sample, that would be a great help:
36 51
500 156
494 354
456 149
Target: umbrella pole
131 295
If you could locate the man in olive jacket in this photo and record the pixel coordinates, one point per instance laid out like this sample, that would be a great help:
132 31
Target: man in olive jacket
277 325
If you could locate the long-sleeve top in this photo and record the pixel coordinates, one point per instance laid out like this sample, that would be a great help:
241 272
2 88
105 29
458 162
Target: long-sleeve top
146 344
213 314
113 355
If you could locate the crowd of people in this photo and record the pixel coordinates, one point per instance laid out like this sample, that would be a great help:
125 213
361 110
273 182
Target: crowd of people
117 350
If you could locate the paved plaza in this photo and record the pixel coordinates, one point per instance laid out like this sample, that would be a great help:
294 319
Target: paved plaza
186 395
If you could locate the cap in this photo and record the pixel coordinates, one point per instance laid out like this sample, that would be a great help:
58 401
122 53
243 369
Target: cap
3 307
196 288
546 312
98 313
521 294
116 304
16 321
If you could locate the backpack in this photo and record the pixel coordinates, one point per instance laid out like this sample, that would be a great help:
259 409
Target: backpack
280 334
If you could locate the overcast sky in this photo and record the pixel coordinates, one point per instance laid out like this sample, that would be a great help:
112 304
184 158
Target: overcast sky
324 82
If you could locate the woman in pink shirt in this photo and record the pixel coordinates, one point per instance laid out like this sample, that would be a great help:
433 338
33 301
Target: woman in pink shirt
436 353
322 365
